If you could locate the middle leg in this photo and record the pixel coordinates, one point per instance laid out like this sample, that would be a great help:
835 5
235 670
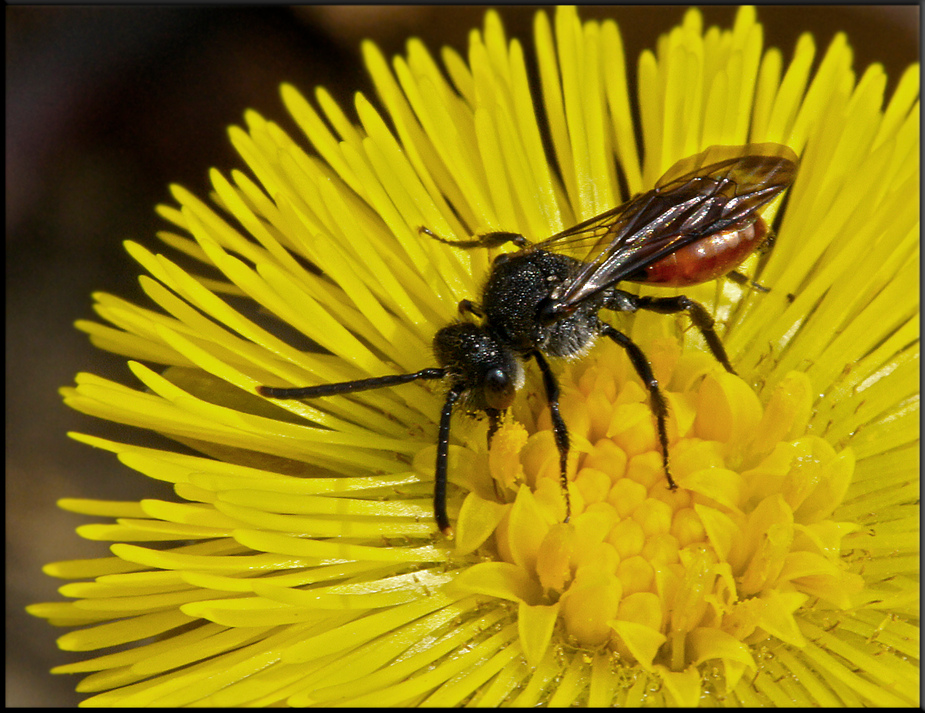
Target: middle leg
558 426
656 398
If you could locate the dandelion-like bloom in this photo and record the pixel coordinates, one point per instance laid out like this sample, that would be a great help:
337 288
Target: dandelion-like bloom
301 564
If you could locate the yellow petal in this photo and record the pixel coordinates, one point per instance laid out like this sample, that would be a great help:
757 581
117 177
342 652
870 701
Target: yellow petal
787 413
684 686
476 522
498 579
775 615
589 605
709 643
641 640
555 556
729 410
528 526
534 627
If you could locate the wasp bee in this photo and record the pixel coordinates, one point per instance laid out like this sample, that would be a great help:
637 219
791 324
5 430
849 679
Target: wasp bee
699 223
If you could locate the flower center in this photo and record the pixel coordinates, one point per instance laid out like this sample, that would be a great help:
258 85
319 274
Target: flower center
667 577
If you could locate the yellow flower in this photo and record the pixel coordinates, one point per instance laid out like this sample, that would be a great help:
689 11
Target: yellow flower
300 563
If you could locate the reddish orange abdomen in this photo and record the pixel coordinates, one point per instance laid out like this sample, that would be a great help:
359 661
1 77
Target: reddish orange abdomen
709 257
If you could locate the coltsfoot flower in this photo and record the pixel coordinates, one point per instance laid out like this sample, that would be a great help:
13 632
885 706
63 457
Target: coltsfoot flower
299 564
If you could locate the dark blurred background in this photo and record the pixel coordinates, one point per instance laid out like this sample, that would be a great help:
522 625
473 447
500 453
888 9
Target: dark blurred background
107 105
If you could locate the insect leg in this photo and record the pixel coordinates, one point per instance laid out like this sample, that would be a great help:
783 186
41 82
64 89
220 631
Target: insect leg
348 387
494 422
699 316
558 426
763 249
656 398
625 302
485 240
740 279
470 307
443 449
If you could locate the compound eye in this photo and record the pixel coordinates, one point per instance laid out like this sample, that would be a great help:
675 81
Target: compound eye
496 380
499 391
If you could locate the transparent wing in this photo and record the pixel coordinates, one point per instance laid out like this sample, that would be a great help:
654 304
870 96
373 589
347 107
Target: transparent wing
697 196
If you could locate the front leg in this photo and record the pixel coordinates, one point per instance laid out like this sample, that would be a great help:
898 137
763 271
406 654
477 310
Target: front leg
495 417
443 450
485 240
621 301
558 426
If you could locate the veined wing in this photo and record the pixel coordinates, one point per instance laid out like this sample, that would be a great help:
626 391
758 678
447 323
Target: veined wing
697 196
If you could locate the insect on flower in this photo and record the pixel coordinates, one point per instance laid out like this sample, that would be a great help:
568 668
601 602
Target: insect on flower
699 223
